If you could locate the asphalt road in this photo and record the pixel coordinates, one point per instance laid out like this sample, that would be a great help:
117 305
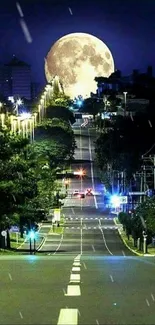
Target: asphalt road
87 276
107 290
88 229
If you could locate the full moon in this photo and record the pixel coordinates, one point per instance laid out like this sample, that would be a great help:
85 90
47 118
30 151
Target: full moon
77 59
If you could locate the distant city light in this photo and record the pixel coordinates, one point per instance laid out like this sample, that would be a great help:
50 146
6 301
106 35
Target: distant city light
19 101
25 115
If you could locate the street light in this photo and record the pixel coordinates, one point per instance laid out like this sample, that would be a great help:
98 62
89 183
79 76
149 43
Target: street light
1 105
145 242
2 119
32 239
17 103
125 93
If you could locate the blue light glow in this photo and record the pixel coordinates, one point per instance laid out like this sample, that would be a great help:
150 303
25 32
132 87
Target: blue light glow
32 234
115 201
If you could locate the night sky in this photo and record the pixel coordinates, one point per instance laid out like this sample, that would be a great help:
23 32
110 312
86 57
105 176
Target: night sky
126 27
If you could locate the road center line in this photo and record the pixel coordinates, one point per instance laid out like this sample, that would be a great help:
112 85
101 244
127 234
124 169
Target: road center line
68 316
147 302
93 247
152 296
100 227
81 236
21 316
76 269
91 169
10 276
111 277
74 277
73 290
76 264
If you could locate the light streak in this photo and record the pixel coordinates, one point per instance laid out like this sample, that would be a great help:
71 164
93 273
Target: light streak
25 30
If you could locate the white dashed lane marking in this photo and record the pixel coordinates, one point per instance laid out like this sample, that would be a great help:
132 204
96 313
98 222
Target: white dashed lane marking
74 277
68 316
73 290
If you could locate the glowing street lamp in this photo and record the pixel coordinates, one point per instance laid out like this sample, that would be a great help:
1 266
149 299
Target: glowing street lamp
115 201
125 93
81 172
31 236
2 119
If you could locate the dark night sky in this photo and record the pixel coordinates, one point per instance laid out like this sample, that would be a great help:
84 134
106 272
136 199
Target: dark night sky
126 26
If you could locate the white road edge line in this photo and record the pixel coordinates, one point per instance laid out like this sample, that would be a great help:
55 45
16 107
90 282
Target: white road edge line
59 245
111 277
123 253
84 265
10 276
93 247
21 316
147 302
73 211
81 236
152 296
91 168
100 227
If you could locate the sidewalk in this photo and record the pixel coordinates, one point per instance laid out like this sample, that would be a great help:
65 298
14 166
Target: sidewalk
129 242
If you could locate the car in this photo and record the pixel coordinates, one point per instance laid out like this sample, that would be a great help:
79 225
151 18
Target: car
81 195
75 192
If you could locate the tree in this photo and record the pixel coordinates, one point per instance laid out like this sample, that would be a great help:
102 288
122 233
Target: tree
61 133
92 106
18 182
123 145
60 112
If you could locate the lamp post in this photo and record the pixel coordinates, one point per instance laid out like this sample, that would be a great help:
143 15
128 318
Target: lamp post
32 239
125 93
144 242
2 119
1 105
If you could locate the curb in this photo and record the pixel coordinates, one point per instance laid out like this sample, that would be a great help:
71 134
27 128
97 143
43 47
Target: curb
124 241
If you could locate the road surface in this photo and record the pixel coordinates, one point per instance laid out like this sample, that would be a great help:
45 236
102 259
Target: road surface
86 275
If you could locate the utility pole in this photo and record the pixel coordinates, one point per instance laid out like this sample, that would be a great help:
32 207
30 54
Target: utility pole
149 165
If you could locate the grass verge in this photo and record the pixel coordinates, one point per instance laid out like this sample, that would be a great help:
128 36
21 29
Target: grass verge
128 242
13 239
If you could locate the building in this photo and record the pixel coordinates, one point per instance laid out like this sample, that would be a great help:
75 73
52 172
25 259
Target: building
17 79
35 90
